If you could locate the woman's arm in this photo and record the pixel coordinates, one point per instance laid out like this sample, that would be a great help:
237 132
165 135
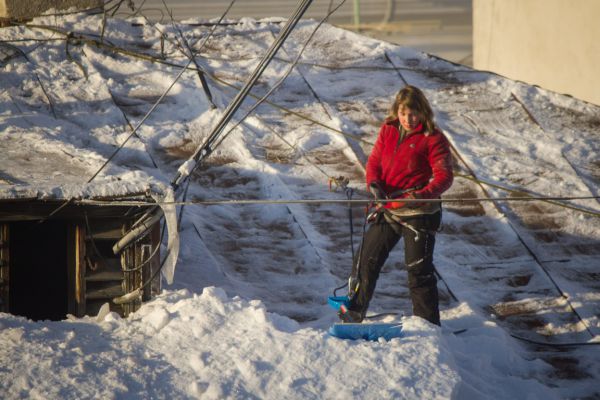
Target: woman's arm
440 161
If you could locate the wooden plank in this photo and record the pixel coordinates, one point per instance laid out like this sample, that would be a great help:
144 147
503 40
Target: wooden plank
104 292
23 210
104 276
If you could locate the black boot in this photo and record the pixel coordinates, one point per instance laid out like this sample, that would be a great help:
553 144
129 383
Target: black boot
351 316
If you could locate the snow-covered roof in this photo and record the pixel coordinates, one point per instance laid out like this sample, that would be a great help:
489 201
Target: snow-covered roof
68 106
65 109
59 127
56 161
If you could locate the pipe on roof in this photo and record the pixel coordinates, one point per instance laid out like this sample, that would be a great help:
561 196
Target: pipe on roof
137 232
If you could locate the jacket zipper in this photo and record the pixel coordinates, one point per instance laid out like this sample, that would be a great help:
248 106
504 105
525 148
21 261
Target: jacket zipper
401 137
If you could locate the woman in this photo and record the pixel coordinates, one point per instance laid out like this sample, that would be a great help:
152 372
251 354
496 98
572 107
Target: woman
410 160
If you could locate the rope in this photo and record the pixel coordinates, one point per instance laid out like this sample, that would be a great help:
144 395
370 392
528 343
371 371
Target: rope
308 85
349 195
56 211
37 77
134 203
192 55
90 234
441 278
532 196
130 126
355 279
537 342
387 57
573 344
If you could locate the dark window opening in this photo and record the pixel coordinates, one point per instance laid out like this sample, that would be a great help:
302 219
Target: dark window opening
39 270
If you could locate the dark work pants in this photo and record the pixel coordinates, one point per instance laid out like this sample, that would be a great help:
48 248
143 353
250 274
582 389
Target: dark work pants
379 240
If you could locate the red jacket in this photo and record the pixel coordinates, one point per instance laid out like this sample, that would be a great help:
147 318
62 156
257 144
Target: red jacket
420 160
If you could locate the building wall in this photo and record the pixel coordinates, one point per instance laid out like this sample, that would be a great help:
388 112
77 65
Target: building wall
551 43
32 8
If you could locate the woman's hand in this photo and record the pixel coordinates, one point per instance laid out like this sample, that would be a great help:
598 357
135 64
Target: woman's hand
411 204
377 191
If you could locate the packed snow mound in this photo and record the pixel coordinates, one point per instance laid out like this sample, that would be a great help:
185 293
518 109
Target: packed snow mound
184 345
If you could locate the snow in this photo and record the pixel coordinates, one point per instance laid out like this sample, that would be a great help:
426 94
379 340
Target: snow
244 314
184 345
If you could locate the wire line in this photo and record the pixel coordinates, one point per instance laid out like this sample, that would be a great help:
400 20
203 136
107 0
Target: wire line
327 201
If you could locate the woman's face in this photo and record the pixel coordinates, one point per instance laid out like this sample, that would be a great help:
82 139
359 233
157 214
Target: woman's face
409 119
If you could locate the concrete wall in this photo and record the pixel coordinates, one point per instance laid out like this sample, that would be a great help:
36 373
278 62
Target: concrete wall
551 43
31 8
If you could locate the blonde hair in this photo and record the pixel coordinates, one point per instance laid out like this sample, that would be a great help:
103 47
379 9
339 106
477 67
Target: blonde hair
413 98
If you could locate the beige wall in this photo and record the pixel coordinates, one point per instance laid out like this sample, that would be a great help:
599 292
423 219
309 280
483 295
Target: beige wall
551 43
31 8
